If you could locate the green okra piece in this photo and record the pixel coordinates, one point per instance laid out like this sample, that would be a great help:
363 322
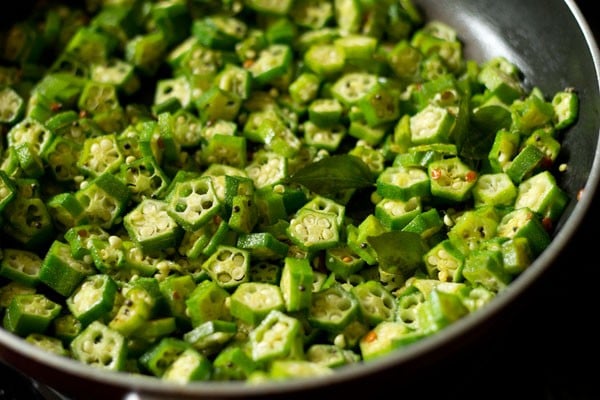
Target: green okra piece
296 283
495 189
566 108
333 308
207 302
161 355
451 179
193 202
486 268
343 261
525 163
211 336
228 266
103 199
445 262
21 266
233 363
263 246
100 346
189 366
30 313
382 339
251 302
61 271
401 183
396 214
93 299
330 355
151 226
523 222
7 189
541 194
376 303
277 336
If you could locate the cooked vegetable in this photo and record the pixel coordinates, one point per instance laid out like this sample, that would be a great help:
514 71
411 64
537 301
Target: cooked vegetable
261 189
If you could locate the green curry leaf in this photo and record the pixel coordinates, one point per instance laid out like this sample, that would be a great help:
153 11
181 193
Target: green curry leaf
333 174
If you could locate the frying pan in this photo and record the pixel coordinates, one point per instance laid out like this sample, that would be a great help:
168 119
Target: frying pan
552 44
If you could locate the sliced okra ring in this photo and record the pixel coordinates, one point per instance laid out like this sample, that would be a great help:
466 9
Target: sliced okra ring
61 271
228 266
251 302
100 346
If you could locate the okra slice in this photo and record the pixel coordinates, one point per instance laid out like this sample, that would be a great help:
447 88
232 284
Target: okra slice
330 355
296 282
400 183
28 221
262 246
21 266
150 225
47 343
12 106
325 59
325 112
79 237
66 211
207 302
357 238
351 87
144 178
93 299
525 163
11 289
451 179
228 266
251 302
516 255
157 359
382 339
472 227
333 308
504 148
444 262
193 202
278 336
396 214
30 313
486 268
272 63
376 303
146 51
7 189
189 366
444 308
244 214
62 272
343 261
286 369
531 113
31 131
233 363
218 104
496 189
431 125
100 346
348 15
314 230
566 108
103 199
211 336
172 94
524 222
136 309
541 194
175 290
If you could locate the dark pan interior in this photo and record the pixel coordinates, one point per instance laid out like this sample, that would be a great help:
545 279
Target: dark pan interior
554 48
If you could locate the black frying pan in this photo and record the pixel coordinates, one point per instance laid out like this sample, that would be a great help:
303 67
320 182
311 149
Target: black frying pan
552 44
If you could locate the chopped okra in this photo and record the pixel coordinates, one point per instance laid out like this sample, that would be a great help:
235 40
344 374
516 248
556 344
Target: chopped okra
262 190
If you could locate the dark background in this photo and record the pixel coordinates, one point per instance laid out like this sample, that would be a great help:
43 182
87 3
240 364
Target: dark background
547 349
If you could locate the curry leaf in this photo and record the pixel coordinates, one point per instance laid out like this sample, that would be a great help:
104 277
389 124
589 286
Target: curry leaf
333 174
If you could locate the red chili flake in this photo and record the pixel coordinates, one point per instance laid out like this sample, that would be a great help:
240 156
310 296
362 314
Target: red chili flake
370 337
471 176
248 63
161 143
83 114
55 107
436 173
546 162
82 233
547 223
